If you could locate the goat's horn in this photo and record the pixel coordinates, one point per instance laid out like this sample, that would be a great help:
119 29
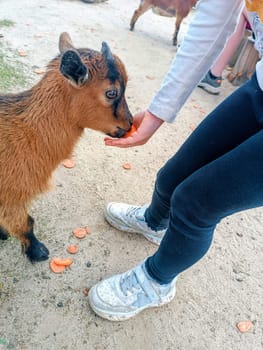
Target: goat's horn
65 43
105 50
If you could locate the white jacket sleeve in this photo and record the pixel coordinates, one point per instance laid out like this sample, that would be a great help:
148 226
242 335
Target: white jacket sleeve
213 23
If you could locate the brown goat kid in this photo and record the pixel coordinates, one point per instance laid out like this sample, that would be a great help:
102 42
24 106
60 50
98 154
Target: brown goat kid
178 8
81 89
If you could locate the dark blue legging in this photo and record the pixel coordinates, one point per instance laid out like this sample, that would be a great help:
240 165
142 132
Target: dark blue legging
218 171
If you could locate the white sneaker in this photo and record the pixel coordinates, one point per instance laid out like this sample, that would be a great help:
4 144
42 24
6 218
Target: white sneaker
125 295
130 218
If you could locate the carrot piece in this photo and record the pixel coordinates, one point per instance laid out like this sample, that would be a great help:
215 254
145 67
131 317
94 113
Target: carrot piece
244 326
72 249
79 232
88 230
39 71
56 268
130 132
126 166
62 262
22 53
86 291
68 163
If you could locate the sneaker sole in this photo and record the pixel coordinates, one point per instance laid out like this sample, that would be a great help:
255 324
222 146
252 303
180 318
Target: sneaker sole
121 227
121 316
208 88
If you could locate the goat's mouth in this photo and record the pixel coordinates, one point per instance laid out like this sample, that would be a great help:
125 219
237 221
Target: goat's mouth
118 133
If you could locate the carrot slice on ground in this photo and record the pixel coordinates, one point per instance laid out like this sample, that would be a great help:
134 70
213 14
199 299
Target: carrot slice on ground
56 268
86 291
126 166
72 249
39 71
244 326
22 53
68 163
79 232
62 262
88 230
130 132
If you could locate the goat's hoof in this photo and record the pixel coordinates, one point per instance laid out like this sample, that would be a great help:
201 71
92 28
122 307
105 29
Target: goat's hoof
174 42
3 234
37 251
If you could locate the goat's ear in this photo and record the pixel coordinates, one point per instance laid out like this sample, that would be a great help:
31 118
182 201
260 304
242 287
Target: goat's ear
106 52
73 68
65 43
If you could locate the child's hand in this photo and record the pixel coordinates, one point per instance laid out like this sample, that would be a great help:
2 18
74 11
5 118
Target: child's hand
145 123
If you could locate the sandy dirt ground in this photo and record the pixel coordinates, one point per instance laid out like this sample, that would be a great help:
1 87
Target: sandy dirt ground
40 310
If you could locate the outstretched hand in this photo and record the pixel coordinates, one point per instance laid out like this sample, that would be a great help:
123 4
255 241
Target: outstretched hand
146 124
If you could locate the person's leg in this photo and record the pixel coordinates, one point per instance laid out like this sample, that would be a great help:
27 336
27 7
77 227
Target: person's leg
233 121
229 184
223 180
230 47
213 79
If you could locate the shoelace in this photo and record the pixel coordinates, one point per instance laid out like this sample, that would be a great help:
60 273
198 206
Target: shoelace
129 283
132 211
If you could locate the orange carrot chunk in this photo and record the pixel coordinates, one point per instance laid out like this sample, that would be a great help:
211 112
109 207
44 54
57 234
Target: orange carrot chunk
63 262
22 53
39 71
88 230
68 163
79 232
244 326
86 291
126 166
56 268
72 249
130 132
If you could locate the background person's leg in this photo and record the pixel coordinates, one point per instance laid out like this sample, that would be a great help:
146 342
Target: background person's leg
233 121
230 47
231 183
213 79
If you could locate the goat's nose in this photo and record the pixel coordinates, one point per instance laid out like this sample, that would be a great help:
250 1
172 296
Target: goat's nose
120 133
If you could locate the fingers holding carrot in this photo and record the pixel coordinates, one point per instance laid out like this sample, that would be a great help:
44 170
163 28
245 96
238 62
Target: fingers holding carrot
146 125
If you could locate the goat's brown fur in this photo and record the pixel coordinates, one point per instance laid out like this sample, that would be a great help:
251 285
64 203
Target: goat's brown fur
178 8
40 127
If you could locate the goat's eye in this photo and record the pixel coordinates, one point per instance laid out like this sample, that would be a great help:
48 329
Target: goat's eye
111 94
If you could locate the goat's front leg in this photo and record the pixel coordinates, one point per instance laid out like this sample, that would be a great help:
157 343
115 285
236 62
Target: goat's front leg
3 233
34 250
177 28
21 226
144 6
